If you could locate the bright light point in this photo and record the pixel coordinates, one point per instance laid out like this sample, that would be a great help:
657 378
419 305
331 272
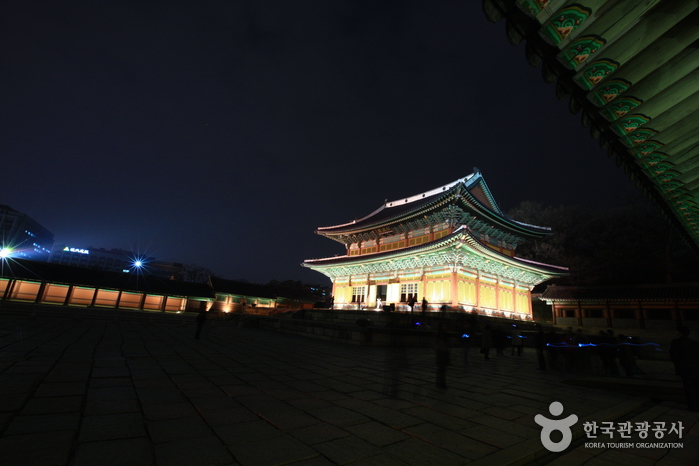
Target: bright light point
138 263
5 252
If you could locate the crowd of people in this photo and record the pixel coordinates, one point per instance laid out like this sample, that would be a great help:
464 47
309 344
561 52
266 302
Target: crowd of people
571 350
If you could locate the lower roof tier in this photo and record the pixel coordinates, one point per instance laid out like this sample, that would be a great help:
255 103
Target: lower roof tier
460 250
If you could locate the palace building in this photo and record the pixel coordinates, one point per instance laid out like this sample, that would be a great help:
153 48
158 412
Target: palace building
451 245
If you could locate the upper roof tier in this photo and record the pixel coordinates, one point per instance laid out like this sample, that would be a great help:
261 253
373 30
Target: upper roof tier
466 201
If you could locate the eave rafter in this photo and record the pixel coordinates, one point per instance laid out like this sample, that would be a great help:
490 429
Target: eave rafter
458 253
632 70
450 214
452 260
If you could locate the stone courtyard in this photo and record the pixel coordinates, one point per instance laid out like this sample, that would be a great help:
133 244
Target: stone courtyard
124 388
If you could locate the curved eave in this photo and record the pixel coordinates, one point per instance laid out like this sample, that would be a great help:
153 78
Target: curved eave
632 71
397 209
460 238
417 206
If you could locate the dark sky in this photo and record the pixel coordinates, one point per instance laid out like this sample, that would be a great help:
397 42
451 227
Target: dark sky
222 133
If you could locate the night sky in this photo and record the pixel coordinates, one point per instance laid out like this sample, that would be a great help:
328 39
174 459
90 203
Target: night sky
223 133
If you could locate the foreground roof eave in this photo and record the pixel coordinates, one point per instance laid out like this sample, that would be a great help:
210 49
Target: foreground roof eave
626 68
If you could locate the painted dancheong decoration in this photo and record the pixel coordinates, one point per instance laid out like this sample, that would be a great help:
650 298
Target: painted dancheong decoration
564 23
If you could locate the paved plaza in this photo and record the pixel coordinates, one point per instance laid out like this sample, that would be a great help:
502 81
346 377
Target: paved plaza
120 388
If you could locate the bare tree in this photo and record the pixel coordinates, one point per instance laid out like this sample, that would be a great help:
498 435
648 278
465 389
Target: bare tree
633 243
194 273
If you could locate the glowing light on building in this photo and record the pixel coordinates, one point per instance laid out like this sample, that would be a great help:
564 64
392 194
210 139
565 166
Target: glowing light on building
78 250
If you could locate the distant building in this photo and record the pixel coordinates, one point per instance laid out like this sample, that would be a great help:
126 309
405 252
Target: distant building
23 237
451 245
236 296
65 285
112 260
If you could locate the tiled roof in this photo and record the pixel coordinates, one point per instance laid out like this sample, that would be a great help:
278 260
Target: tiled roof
473 186
395 209
660 292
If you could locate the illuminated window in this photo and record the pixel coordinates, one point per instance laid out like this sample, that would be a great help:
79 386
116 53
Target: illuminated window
408 291
358 294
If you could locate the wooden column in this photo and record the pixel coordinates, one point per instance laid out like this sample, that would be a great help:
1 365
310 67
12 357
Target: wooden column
40 294
578 313
497 294
639 315
94 297
608 314
478 290
454 290
676 314
69 295
118 300
10 288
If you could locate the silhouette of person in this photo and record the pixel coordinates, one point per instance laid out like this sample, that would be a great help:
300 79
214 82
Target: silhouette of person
499 338
583 348
411 302
466 334
486 342
553 343
442 355
424 304
626 355
607 349
684 352
396 357
201 318
540 343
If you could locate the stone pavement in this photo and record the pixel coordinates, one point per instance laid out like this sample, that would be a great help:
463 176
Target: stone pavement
120 388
